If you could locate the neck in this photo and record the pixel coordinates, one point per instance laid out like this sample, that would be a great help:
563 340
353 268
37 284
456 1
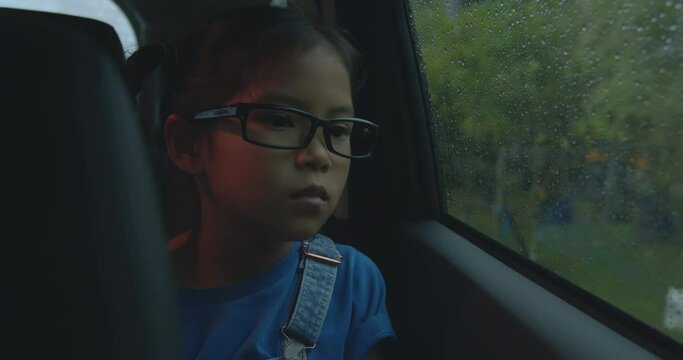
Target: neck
224 252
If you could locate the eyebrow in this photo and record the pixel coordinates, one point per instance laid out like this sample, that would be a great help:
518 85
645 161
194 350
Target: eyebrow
284 99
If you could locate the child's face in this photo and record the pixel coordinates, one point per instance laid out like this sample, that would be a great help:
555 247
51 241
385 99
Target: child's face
254 186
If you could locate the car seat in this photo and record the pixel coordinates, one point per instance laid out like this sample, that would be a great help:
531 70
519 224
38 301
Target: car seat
88 274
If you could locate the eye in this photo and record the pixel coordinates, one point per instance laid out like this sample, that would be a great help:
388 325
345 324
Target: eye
340 130
279 120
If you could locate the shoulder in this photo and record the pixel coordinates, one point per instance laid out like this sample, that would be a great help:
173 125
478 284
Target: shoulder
355 265
361 280
360 270
355 261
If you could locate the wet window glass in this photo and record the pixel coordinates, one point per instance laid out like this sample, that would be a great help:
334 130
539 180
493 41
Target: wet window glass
105 11
558 129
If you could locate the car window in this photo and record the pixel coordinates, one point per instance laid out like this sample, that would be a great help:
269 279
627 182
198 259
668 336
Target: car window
558 129
105 11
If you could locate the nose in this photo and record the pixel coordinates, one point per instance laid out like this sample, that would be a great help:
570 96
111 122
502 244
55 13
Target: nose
315 156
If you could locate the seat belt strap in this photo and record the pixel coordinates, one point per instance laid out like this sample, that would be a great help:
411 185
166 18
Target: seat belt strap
319 262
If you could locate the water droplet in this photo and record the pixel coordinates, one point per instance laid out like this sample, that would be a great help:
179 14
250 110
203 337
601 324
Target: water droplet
672 28
617 57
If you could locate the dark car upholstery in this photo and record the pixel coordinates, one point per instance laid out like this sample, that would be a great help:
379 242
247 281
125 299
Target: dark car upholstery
88 273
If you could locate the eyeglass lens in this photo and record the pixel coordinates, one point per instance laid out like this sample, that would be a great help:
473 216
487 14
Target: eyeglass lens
284 128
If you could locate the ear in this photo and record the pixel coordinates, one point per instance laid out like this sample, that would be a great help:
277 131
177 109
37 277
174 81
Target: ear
185 144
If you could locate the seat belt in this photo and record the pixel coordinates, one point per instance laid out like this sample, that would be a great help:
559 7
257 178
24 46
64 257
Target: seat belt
319 262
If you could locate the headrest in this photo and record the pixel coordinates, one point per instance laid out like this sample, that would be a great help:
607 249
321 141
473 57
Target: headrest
100 32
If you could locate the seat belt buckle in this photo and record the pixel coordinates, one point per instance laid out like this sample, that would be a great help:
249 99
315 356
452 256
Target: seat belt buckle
306 247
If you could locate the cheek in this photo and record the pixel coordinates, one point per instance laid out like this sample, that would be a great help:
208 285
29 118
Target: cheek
339 174
344 166
239 173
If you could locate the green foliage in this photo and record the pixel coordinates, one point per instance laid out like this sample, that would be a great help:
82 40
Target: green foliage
543 105
552 87
501 72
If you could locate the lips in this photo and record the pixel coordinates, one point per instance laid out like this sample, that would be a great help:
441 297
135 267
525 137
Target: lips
312 191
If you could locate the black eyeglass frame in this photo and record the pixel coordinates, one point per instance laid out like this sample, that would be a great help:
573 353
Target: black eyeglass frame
241 111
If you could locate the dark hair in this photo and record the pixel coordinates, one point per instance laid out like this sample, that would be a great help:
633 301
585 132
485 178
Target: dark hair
229 52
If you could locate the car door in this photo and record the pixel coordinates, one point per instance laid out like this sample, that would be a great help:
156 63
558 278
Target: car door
524 199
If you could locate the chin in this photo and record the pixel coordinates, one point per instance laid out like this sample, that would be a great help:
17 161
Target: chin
292 228
302 231
298 235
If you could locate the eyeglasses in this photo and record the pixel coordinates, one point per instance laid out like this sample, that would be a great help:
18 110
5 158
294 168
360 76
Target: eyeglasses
281 127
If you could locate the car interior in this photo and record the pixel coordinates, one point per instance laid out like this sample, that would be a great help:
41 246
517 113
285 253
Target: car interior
89 200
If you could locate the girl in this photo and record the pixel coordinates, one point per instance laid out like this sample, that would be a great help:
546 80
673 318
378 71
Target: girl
263 119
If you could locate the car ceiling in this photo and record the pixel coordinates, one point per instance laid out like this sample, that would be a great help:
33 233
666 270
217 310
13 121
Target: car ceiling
157 20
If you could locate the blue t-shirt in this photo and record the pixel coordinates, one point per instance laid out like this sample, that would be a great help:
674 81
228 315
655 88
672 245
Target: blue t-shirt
243 320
